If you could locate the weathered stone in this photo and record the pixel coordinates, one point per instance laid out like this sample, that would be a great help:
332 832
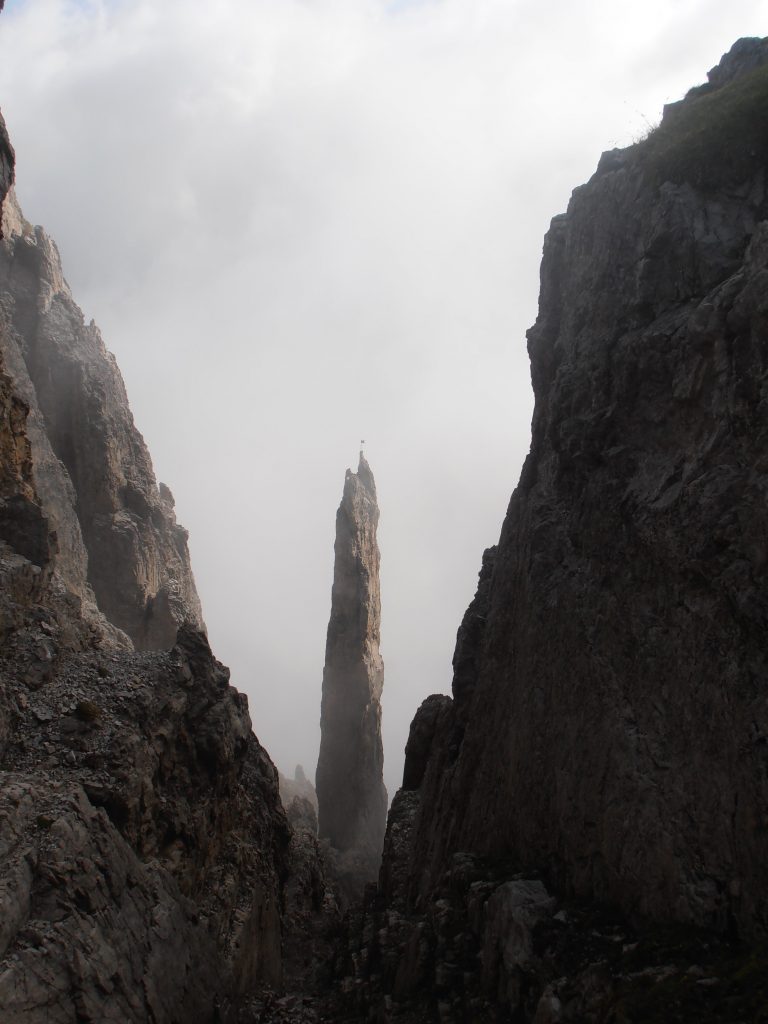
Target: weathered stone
117 532
420 738
7 163
298 787
469 638
141 871
350 789
22 523
608 729
511 915
147 870
744 56
311 917
613 725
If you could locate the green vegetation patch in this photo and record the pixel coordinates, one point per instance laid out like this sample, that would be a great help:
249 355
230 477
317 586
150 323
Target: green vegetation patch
714 138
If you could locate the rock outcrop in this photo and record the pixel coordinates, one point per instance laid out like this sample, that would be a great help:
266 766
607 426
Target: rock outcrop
142 836
608 732
118 542
350 788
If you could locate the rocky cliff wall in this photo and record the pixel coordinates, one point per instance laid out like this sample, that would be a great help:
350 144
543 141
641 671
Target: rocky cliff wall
117 534
7 160
143 841
143 848
612 728
607 739
147 869
607 736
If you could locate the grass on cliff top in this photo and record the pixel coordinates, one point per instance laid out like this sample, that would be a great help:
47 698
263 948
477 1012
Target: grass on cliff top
713 138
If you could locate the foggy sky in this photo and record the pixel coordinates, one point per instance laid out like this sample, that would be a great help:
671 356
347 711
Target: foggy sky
300 223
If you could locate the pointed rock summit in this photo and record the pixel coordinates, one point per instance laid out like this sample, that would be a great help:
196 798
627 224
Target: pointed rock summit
350 789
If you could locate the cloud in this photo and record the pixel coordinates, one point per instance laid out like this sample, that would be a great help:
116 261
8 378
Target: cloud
302 222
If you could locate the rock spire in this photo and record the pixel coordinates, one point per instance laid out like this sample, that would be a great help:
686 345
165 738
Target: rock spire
350 789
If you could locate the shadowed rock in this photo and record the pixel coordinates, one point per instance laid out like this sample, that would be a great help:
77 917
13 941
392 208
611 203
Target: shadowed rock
606 742
143 841
608 698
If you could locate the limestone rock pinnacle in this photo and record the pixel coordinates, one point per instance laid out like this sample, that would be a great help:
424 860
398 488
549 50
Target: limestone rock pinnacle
350 789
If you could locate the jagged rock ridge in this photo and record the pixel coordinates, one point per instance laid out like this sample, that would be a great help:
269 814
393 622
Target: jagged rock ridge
351 795
117 537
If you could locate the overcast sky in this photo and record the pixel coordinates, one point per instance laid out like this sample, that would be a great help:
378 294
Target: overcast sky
300 223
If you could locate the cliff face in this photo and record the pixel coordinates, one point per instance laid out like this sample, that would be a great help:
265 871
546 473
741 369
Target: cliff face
118 540
351 795
608 728
7 158
615 729
147 870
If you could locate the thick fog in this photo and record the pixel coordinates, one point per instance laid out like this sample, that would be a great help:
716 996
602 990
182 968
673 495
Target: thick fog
300 223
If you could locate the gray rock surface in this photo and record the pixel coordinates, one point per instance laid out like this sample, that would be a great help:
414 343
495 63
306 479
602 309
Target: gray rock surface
7 162
350 788
614 729
608 730
142 838
147 869
744 56
421 736
116 529
298 788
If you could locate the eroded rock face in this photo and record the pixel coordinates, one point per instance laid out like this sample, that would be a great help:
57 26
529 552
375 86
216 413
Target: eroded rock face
7 162
350 789
424 727
143 840
22 524
147 869
615 732
117 532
